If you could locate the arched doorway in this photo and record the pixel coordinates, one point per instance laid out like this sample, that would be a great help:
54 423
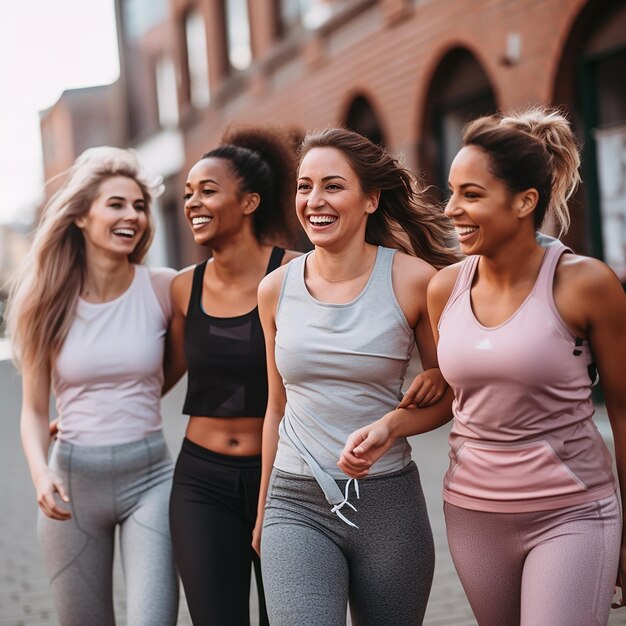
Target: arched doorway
459 92
362 118
590 81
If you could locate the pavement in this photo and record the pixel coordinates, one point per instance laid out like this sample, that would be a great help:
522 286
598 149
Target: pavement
24 590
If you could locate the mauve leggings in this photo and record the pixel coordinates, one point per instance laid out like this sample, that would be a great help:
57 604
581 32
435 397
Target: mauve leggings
544 568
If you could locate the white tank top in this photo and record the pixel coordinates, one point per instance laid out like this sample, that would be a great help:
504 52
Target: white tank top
108 376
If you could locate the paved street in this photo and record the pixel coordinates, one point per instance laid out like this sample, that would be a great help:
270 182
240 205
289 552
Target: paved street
24 595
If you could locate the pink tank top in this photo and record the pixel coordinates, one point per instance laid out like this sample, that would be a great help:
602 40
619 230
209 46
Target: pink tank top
523 437
108 376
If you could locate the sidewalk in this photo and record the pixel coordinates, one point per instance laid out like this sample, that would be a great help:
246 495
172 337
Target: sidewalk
24 591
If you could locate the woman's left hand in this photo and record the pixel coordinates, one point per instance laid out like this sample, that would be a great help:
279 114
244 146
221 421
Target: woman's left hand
364 447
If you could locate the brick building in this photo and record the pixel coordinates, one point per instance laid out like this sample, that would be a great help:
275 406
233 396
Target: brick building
408 73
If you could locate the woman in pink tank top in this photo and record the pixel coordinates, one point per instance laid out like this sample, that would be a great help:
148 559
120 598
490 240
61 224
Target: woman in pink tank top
532 517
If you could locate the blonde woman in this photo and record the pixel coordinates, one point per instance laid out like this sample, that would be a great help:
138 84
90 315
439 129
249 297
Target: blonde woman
88 321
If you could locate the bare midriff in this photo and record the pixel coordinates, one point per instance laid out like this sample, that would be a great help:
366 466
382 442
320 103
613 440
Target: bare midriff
237 436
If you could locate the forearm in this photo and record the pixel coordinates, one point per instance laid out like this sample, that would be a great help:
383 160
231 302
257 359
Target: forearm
268 454
35 437
415 421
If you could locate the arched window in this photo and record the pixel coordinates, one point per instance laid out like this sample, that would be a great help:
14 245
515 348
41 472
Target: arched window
590 82
459 92
362 118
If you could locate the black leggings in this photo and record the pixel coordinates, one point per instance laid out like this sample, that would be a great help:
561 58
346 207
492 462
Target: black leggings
212 513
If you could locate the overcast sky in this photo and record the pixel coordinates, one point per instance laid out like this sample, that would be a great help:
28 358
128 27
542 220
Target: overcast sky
46 46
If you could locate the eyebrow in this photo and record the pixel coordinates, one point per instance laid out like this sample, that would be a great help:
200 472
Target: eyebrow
123 199
325 177
464 185
204 182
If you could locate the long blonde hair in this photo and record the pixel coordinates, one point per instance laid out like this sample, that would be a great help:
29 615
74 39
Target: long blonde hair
45 289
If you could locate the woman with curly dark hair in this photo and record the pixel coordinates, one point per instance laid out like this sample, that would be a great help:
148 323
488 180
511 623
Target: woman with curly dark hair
238 203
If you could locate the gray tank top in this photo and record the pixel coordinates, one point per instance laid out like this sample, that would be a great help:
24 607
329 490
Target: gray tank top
342 366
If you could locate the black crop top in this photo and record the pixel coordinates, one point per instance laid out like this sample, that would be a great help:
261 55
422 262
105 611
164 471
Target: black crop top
227 371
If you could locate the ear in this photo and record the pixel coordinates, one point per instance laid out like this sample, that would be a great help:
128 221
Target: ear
251 203
372 201
525 203
79 222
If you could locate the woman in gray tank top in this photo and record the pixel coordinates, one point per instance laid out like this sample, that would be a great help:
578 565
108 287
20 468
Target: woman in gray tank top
340 325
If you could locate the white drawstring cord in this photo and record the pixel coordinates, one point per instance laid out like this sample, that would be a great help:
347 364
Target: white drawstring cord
336 508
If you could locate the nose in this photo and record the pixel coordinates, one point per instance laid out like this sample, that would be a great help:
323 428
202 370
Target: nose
452 207
132 213
315 198
192 200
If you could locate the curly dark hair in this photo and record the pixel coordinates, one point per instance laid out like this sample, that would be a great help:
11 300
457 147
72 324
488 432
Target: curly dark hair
263 161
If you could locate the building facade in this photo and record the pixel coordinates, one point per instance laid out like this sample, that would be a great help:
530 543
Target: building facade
407 73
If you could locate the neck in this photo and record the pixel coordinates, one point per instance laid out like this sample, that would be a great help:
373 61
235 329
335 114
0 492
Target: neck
106 278
238 258
348 264
512 263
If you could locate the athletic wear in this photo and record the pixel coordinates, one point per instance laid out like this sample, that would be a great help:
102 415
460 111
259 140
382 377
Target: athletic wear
542 568
523 437
214 499
126 485
108 376
343 366
227 370
312 562
212 513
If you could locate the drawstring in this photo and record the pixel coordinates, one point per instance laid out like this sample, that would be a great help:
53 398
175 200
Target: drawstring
336 508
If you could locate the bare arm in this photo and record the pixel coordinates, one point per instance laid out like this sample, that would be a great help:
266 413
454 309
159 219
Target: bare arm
269 290
35 436
174 363
592 300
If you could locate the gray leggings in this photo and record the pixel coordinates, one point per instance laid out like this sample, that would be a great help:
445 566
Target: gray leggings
313 563
544 568
126 485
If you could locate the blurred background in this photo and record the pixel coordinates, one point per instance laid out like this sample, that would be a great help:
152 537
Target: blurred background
167 76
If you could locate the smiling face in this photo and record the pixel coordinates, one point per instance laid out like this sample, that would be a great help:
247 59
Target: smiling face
116 219
330 202
484 212
214 204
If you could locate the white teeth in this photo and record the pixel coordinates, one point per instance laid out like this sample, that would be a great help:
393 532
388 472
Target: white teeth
466 230
126 232
200 220
322 219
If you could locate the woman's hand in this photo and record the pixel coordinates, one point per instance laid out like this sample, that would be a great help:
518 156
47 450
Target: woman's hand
53 427
256 535
427 388
46 485
364 447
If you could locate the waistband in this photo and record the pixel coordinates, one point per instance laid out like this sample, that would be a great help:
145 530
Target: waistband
229 460
152 440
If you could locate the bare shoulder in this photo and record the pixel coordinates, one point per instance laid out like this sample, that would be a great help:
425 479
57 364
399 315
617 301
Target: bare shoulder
583 287
585 275
443 282
271 284
290 255
181 287
411 272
